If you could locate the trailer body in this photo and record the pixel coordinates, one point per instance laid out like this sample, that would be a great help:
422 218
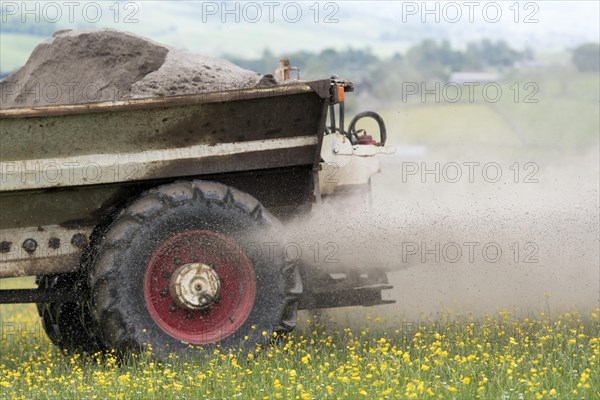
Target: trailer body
64 168
137 214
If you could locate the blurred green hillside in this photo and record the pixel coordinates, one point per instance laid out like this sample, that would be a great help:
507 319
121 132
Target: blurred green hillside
381 58
385 27
531 106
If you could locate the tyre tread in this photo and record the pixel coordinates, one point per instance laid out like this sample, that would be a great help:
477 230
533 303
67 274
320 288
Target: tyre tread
109 321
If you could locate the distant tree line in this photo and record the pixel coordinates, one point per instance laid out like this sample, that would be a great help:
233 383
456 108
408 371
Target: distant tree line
587 57
428 60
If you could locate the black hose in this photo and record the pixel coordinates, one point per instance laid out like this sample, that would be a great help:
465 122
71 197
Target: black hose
332 117
376 117
342 123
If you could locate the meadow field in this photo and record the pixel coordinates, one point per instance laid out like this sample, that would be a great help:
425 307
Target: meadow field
542 352
454 356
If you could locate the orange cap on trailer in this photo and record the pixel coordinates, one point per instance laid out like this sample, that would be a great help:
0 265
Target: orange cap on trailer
340 93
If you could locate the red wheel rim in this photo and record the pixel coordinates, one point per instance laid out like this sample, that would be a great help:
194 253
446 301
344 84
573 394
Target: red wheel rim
238 286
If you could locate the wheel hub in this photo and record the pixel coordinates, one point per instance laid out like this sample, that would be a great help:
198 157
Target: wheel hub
185 295
194 286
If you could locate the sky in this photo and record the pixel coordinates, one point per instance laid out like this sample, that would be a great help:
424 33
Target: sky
246 29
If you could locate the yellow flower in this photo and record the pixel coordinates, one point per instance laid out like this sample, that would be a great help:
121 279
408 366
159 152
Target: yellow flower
584 377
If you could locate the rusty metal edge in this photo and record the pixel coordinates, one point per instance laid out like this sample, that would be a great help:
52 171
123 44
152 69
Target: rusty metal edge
168 101
40 266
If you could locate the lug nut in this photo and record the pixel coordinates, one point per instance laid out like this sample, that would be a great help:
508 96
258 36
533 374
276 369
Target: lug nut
165 274
172 308
29 245
164 292
188 315
79 240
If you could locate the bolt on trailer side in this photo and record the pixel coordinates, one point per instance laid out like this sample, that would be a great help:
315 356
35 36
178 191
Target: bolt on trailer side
63 169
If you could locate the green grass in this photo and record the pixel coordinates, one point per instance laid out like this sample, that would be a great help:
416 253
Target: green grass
566 119
442 123
453 357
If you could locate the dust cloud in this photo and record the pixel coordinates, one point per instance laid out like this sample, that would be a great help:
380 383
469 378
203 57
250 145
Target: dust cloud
526 240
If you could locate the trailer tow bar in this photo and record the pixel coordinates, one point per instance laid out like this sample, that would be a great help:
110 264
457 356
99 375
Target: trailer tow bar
15 296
